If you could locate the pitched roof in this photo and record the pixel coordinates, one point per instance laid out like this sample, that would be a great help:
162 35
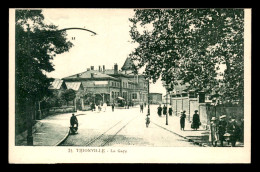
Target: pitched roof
73 85
56 84
128 64
87 75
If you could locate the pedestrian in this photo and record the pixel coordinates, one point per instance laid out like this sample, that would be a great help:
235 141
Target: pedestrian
234 131
141 108
73 124
104 107
164 110
113 106
213 136
147 121
99 108
92 106
195 120
170 111
159 110
182 119
222 126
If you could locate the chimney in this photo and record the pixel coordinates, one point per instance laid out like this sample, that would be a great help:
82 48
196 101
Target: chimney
104 68
92 75
92 67
99 68
116 68
77 75
88 69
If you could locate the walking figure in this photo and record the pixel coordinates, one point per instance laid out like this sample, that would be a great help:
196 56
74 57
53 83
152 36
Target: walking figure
195 121
182 119
92 107
164 110
170 111
141 108
213 137
222 126
147 121
113 106
159 110
234 132
73 124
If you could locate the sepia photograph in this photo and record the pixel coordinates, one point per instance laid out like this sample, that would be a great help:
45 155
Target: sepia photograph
111 85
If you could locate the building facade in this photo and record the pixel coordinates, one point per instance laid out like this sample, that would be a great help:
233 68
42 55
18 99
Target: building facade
113 85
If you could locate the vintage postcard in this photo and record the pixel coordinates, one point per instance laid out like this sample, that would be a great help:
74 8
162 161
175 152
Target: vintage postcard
129 85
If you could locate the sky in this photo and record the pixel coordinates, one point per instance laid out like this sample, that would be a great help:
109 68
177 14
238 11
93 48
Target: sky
111 45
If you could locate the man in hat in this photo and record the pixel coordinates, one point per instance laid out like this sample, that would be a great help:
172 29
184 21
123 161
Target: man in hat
73 124
182 119
222 125
234 131
213 137
196 120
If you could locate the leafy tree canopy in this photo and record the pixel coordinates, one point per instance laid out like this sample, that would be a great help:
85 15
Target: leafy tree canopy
191 45
68 95
36 43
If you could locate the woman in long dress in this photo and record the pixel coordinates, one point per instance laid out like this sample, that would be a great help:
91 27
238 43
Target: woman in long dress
195 120
182 119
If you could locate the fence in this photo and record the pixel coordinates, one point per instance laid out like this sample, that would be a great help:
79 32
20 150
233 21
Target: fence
206 111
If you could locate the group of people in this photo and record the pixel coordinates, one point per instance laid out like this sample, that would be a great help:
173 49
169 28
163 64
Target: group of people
98 108
195 122
164 110
223 130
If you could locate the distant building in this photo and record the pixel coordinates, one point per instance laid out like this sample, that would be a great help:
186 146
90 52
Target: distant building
113 85
57 86
155 98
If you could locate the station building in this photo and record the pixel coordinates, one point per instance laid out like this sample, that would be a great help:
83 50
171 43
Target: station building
111 85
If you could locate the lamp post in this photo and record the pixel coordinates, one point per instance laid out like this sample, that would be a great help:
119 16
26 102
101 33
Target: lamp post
148 97
167 104
29 115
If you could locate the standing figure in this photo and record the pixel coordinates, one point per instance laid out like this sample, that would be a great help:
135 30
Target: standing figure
159 110
182 119
164 110
141 108
104 107
147 121
195 120
222 126
113 107
99 108
213 137
92 107
170 111
73 124
234 132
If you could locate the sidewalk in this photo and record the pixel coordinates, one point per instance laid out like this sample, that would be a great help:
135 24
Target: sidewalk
199 137
48 131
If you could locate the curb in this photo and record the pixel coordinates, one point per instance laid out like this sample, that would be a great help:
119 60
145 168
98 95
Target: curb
64 138
189 140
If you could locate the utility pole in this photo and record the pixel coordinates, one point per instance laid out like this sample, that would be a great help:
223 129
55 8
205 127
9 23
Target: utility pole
148 97
28 109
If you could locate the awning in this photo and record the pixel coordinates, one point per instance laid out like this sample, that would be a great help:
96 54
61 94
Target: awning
120 98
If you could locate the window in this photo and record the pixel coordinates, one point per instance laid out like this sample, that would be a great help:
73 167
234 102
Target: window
134 96
112 94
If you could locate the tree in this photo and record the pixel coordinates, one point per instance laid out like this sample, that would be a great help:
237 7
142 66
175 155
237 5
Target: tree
36 43
68 95
190 45
89 97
